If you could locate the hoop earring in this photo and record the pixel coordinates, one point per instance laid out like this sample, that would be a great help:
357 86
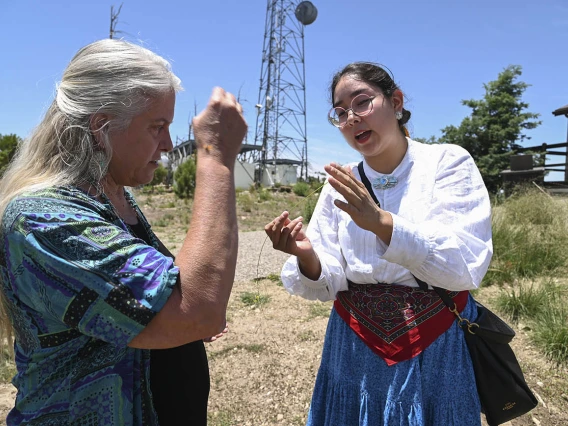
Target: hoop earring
398 115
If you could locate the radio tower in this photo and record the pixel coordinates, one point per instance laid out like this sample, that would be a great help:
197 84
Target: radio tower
281 108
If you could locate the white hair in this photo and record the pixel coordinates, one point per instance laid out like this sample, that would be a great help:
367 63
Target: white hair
112 77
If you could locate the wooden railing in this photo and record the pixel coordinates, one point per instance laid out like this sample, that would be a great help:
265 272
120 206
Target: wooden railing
551 149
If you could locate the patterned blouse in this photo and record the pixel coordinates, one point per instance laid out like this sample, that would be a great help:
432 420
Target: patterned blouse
79 287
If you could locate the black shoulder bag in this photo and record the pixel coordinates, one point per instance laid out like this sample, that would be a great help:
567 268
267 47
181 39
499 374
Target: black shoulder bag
501 386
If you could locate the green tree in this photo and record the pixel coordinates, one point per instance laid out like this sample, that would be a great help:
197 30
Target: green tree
159 175
184 178
494 130
8 146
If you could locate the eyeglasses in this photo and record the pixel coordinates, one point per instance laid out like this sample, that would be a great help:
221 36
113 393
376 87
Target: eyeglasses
361 105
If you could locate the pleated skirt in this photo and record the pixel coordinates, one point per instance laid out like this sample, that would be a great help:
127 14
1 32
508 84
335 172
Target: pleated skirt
354 386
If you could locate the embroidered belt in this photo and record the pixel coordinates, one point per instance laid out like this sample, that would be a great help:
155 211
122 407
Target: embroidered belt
396 322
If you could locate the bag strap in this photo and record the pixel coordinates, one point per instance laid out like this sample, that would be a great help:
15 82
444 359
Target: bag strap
367 184
423 285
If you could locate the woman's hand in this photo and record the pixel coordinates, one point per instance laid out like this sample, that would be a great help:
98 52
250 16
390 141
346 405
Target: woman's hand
218 336
287 236
220 128
360 205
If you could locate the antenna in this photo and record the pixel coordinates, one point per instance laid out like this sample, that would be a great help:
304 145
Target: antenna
281 108
114 20
190 124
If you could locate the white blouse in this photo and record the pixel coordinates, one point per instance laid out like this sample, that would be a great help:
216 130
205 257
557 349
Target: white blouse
442 229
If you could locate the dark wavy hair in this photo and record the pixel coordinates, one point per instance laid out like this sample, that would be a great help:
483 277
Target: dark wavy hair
374 75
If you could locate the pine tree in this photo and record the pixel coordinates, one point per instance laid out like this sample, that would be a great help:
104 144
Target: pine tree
494 130
184 178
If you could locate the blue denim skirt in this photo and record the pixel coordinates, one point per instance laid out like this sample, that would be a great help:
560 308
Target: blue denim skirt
354 386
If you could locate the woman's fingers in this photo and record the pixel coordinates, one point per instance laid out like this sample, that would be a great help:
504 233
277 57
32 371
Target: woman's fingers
344 182
284 240
272 226
277 225
353 197
344 175
220 128
282 231
274 229
217 336
354 191
296 230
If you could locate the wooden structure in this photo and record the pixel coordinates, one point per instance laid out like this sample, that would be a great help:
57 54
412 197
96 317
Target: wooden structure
554 149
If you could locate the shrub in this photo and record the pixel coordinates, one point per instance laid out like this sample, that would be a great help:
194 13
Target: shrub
301 189
542 307
531 207
309 206
245 201
275 278
551 332
264 194
160 175
254 299
522 302
184 179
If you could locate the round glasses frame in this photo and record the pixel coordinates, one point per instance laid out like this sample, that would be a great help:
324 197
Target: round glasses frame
356 108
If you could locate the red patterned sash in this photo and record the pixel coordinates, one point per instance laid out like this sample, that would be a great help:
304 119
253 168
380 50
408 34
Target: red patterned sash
396 322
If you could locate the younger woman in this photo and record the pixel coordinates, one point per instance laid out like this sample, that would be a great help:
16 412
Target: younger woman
393 353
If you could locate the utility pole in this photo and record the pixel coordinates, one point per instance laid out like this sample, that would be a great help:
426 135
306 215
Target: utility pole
114 20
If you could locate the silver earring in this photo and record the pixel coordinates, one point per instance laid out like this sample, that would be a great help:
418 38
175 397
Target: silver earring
398 115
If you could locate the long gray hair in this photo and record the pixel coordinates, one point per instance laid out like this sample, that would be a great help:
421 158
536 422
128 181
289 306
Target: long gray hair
110 76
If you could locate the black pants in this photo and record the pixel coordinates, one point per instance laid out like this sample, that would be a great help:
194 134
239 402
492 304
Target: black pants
179 379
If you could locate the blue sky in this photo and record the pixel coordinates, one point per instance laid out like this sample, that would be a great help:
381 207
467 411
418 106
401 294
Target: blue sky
440 51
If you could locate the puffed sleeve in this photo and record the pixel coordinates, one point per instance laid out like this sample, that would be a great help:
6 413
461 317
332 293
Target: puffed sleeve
82 272
452 248
323 234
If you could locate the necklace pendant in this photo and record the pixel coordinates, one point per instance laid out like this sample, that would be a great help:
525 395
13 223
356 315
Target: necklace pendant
385 182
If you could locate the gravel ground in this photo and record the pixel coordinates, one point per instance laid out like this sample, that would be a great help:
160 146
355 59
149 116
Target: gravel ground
256 260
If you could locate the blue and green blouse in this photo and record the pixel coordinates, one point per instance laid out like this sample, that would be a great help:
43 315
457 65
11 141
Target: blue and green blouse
78 288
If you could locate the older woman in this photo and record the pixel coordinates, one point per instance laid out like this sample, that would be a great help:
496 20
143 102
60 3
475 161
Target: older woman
87 286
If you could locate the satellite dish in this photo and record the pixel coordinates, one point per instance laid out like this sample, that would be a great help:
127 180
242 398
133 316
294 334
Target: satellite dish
306 12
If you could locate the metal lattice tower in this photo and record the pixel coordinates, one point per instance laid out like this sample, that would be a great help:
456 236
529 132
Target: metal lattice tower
281 108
